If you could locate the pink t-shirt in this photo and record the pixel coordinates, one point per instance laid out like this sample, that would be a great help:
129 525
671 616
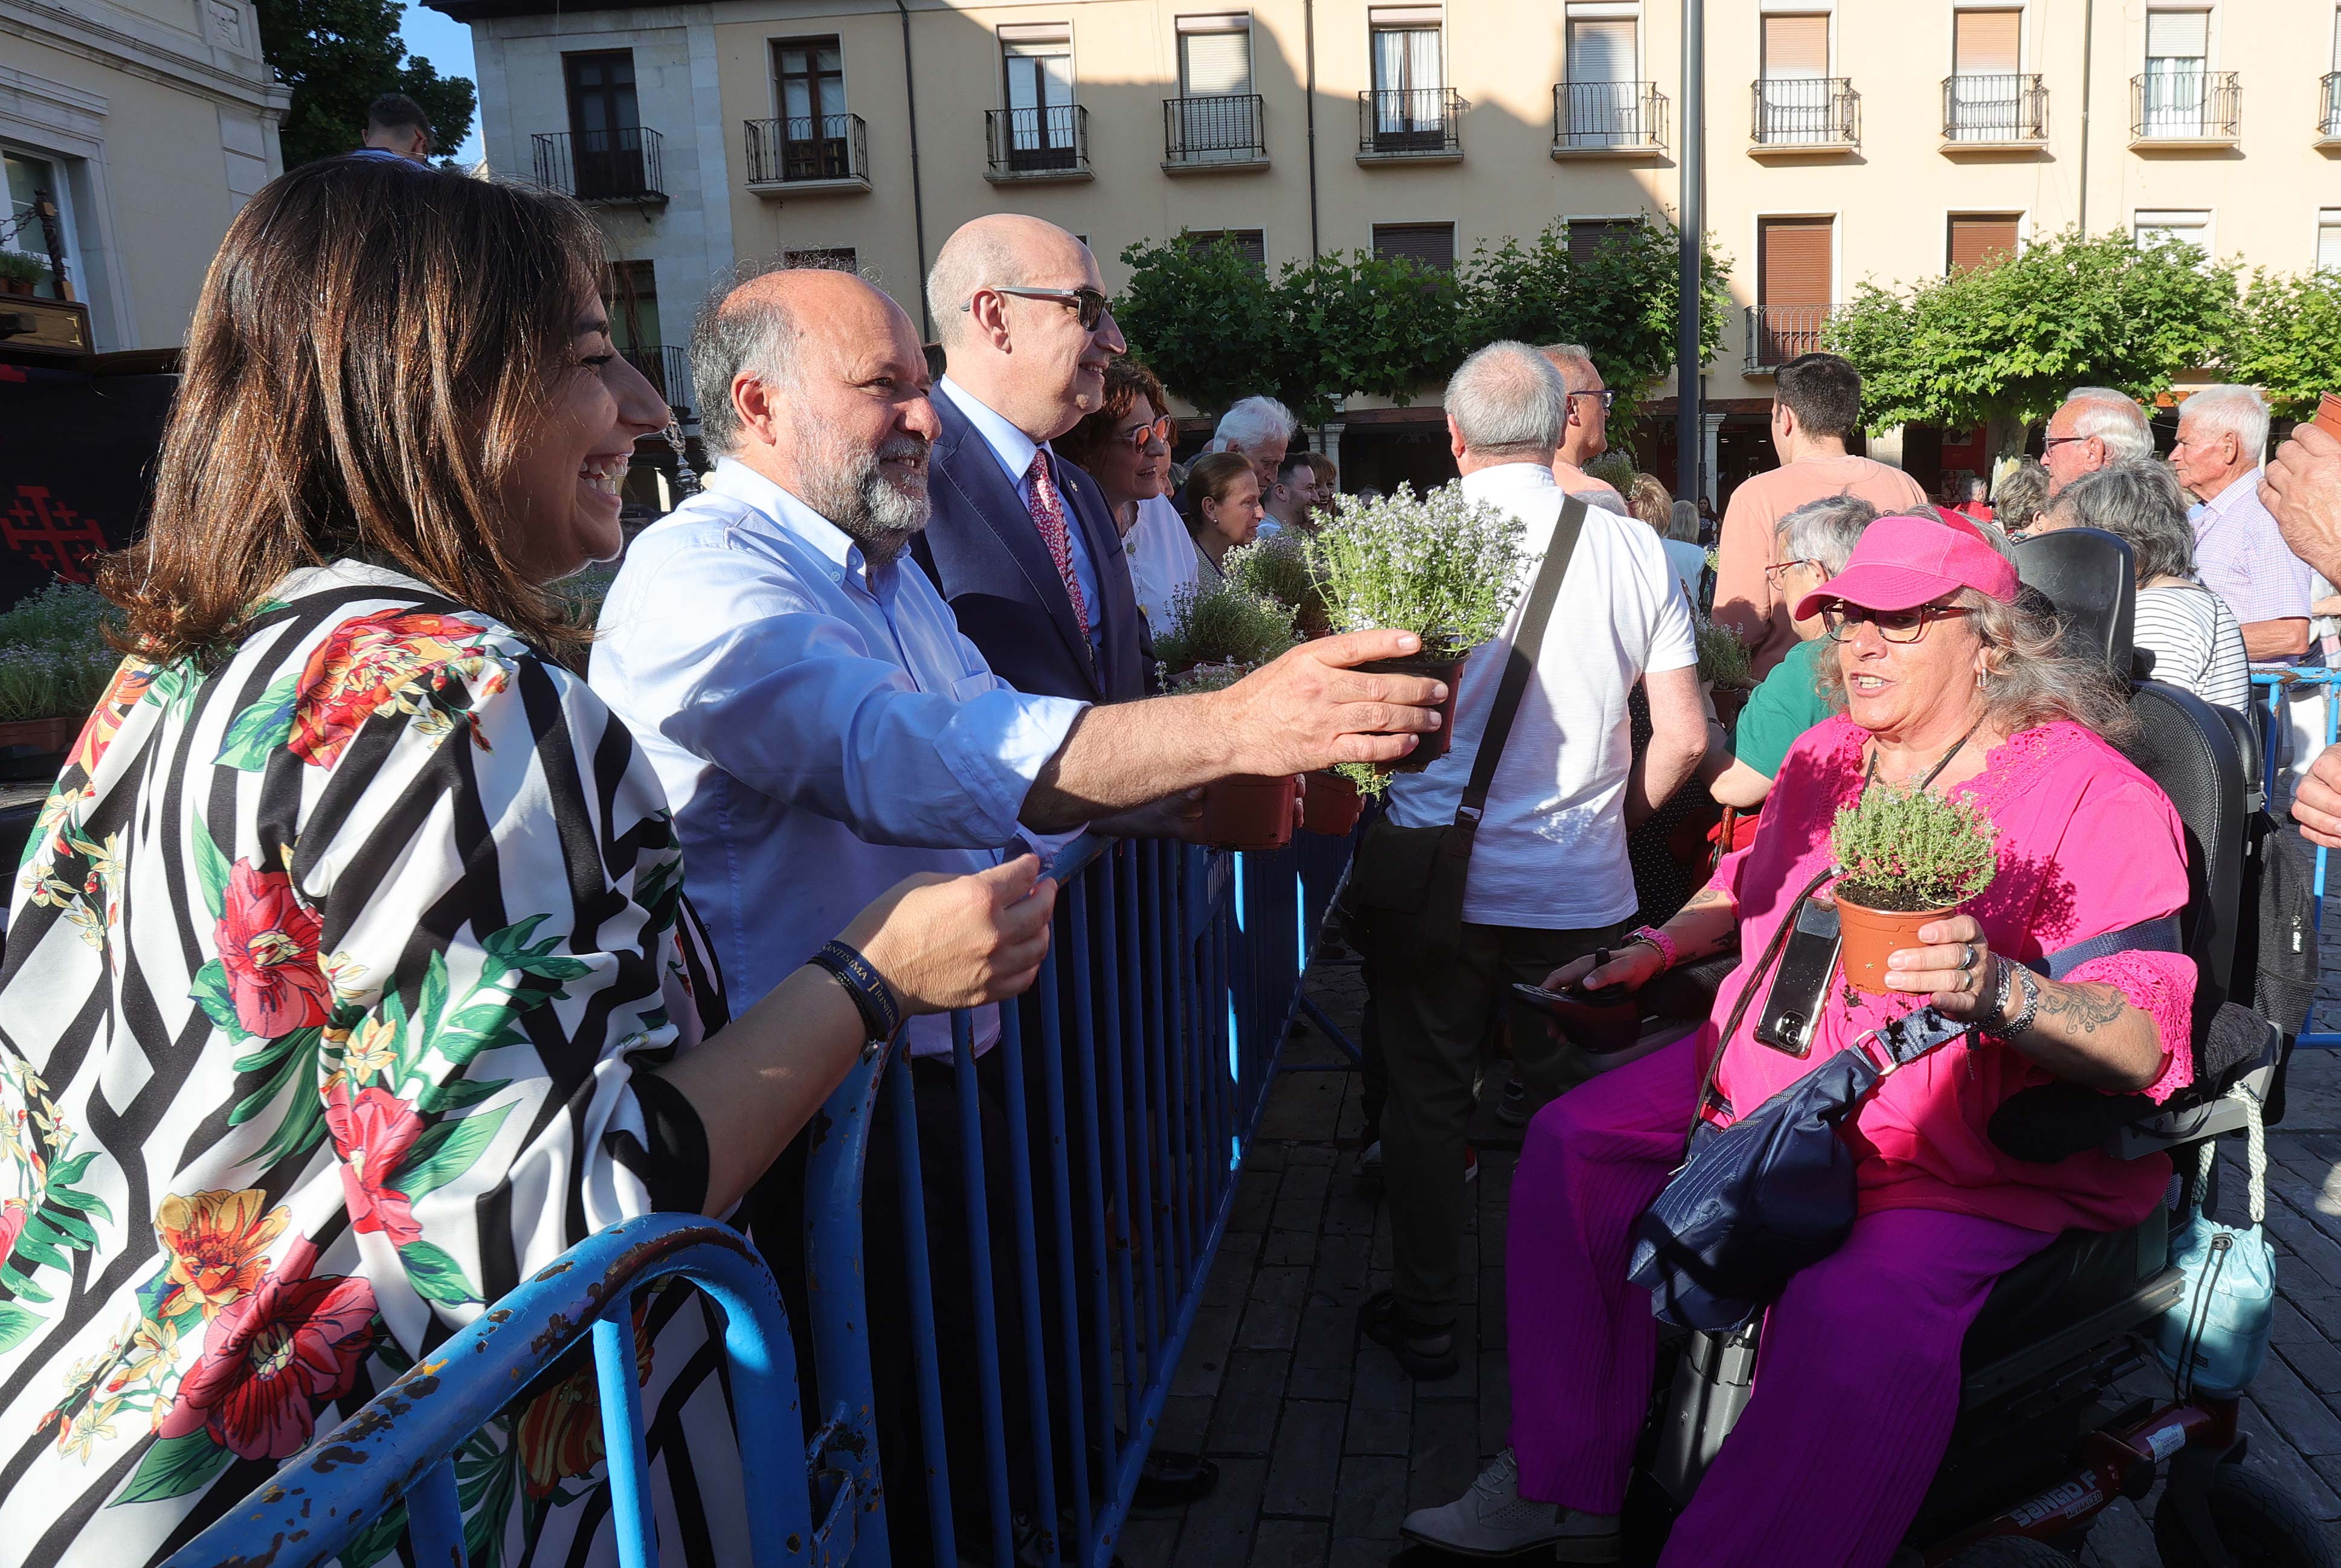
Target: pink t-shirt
1745 599
2088 844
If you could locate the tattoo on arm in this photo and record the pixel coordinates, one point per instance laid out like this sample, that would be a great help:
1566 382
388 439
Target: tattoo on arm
2080 1008
1705 946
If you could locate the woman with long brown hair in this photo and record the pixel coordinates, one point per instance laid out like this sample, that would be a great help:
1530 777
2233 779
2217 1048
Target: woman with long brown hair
343 985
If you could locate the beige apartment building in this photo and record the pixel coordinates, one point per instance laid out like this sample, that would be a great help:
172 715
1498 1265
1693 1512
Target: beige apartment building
140 126
1886 139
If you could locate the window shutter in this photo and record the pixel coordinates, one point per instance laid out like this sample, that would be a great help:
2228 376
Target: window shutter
1977 242
2177 34
1217 65
1793 261
1987 43
1432 245
2328 240
1601 51
1796 46
1249 244
1587 236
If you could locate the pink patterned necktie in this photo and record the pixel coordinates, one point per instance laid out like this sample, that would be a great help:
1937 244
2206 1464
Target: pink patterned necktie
1048 508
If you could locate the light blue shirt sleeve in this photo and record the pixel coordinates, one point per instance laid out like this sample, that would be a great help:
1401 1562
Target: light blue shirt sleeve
789 697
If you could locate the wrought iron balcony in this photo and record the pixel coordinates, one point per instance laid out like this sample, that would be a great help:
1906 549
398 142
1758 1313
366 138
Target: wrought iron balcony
2189 107
1995 111
2328 102
803 153
623 165
668 370
1225 131
1049 143
1413 123
1607 117
1778 333
1807 114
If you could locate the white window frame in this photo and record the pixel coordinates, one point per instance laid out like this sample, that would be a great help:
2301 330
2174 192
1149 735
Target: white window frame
1446 44
1608 11
31 242
2210 28
2023 9
1821 8
1005 34
2207 244
2327 217
1185 26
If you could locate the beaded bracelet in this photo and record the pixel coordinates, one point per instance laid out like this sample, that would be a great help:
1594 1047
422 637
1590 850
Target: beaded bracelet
881 1015
1664 945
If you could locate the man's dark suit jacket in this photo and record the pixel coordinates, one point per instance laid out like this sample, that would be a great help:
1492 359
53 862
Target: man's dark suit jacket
986 556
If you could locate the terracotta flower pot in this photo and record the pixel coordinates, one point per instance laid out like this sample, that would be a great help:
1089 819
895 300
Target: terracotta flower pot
1431 747
1871 935
41 734
17 286
2328 414
1330 804
1248 811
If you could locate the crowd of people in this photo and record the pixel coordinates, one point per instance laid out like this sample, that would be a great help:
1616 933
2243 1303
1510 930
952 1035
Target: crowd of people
386 933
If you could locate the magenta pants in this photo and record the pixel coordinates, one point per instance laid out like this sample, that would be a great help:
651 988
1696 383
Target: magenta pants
1856 1382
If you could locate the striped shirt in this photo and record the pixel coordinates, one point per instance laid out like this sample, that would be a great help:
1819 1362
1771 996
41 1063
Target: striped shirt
2196 642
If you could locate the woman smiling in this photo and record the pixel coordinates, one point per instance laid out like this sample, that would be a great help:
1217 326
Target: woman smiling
343 986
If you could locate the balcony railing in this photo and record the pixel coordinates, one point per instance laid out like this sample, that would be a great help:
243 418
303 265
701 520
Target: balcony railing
1607 116
1778 333
2187 105
623 165
2328 99
1042 142
1807 111
1225 128
1995 111
808 150
1410 123
669 369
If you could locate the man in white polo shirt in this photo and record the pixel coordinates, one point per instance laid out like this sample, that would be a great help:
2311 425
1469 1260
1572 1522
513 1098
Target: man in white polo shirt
1549 878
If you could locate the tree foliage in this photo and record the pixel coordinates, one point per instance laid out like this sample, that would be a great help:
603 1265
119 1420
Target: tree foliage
1216 328
2010 338
338 56
2287 342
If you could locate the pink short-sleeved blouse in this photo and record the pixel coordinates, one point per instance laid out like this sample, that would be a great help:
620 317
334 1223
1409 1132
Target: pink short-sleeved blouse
2088 844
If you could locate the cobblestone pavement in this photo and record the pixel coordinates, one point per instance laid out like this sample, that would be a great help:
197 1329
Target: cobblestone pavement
1324 1445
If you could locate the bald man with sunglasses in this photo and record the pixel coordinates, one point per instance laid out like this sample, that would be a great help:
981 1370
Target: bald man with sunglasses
1023 544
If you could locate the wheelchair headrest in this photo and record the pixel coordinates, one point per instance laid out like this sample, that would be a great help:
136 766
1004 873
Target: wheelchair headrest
2186 748
2092 579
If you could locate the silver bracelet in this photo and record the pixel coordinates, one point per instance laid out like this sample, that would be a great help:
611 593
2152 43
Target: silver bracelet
2022 1020
1990 1020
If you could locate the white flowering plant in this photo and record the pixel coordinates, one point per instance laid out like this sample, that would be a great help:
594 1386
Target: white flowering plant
1440 566
1221 623
1723 658
1276 566
55 661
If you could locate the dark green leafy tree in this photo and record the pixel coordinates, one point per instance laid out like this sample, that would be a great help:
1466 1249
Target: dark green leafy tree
2288 343
1208 318
2009 340
338 56
1362 323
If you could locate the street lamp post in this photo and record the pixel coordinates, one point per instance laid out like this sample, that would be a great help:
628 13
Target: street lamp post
1689 434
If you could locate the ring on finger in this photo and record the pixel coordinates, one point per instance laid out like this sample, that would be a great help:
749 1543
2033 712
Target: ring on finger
1967 957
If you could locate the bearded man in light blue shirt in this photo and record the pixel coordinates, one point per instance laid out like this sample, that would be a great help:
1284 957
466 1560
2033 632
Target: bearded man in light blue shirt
823 729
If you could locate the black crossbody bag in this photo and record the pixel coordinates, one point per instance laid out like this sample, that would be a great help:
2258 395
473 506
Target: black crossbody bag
1405 891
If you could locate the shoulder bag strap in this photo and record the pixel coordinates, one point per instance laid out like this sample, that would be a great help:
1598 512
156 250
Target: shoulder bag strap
1528 639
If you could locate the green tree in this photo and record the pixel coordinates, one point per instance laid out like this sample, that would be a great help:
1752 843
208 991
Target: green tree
2288 342
2009 340
338 56
1208 319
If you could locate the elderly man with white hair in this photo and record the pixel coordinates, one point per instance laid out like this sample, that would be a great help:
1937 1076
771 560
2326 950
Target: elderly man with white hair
1549 878
2095 426
1259 429
2239 551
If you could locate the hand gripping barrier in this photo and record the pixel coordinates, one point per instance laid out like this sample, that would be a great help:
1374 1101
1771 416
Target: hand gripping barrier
2278 685
402 1444
1148 1040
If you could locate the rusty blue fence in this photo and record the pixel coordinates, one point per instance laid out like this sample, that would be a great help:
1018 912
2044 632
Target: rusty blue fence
1132 1074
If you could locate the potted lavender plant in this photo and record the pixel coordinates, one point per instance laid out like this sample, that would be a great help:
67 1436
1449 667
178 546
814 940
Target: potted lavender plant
1905 860
1440 566
1219 634
55 664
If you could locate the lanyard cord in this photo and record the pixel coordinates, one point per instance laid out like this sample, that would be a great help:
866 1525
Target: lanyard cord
1871 776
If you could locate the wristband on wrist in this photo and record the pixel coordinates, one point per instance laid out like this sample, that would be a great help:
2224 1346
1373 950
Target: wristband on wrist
1659 942
2022 1020
881 1015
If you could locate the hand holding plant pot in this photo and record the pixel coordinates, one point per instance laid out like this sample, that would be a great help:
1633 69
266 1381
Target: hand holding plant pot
1440 566
1906 860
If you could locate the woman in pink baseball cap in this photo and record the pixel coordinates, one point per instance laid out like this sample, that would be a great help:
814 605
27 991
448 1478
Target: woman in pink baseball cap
1945 677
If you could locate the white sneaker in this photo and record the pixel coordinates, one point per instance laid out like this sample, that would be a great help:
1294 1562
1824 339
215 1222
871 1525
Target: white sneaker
1493 1519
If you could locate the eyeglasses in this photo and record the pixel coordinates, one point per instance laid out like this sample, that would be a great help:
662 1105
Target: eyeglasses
2054 442
1146 435
1773 572
1896 626
1088 304
1607 396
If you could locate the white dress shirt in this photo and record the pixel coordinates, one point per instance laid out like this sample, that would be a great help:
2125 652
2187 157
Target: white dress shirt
821 727
1162 560
1551 847
1014 450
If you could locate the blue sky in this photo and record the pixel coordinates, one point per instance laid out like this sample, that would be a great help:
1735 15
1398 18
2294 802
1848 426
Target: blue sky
447 45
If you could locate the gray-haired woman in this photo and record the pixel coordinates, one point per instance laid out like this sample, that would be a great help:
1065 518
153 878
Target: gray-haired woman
2189 630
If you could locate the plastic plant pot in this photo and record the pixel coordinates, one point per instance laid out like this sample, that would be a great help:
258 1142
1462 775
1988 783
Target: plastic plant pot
1431 747
1872 935
1248 811
1330 804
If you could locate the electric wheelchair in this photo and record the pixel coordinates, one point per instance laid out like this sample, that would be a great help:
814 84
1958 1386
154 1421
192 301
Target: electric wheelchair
2047 1438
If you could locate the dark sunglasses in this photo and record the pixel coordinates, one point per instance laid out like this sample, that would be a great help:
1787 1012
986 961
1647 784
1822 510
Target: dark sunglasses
1087 304
1898 626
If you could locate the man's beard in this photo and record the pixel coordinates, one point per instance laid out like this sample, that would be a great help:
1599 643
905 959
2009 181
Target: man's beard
850 489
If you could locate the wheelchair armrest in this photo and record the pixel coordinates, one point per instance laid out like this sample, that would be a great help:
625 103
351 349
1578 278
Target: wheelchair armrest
2190 1120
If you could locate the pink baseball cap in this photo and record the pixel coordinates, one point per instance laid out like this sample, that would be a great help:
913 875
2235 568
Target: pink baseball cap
1902 562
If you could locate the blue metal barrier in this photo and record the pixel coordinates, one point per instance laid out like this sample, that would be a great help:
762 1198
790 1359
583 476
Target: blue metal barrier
2276 684
399 1450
